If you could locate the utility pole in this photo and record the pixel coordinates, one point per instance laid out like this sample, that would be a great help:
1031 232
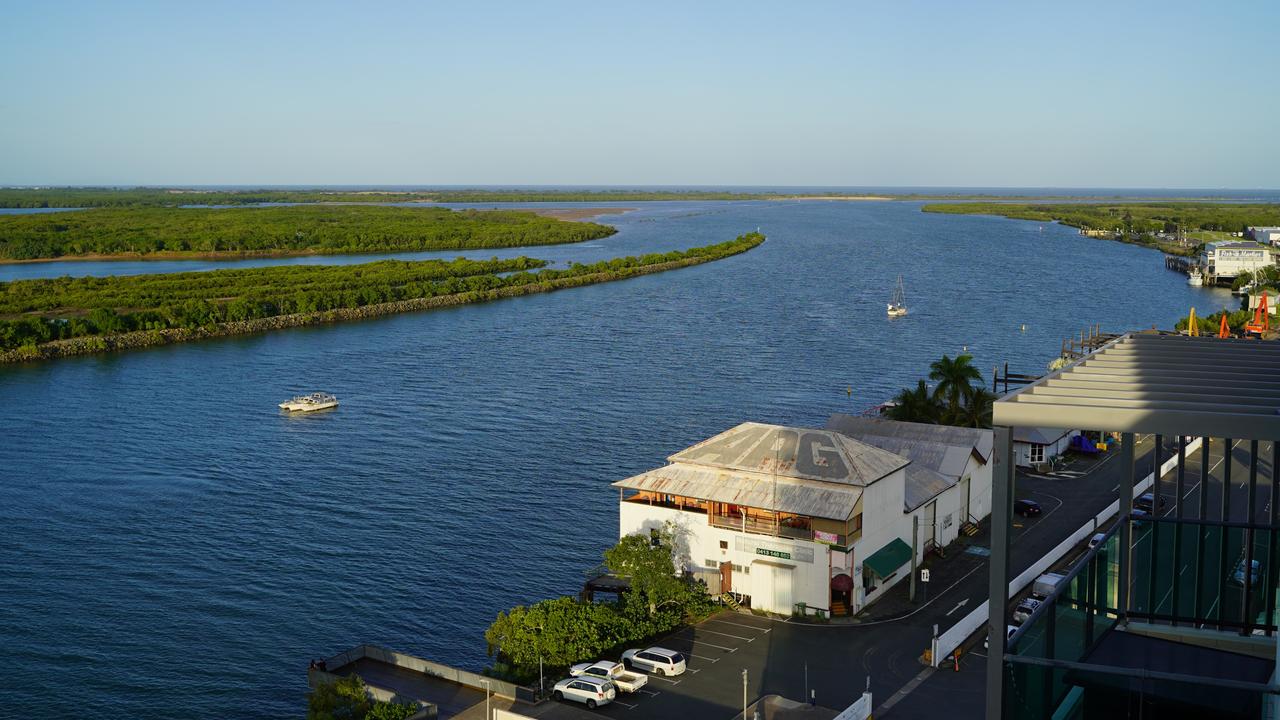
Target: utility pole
915 533
487 714
744 694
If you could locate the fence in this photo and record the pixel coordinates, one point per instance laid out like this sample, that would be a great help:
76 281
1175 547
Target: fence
946 643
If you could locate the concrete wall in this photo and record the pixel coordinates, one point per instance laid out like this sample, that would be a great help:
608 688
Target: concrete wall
315 678
465 678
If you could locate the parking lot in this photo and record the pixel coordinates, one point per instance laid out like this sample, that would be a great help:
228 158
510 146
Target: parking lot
716 651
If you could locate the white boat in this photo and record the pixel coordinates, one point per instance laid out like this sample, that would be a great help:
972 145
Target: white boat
310 403
897 306
1195 279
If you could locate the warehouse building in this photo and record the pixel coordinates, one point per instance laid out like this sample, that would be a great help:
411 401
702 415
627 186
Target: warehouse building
802 520
1230 258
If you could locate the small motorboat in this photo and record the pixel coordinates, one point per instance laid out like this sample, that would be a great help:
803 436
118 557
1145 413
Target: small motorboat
310 403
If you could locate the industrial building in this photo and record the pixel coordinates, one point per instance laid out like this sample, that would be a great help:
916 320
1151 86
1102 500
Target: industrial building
801 520
1230 258
1265 235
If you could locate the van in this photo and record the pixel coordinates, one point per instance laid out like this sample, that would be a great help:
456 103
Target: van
1044 585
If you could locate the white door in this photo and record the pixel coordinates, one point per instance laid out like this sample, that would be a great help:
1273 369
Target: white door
929 524
964 493
772 587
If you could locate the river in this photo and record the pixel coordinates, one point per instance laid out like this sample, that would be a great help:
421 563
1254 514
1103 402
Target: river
174 546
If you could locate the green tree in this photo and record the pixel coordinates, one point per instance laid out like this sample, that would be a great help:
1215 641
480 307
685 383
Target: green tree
916 405
954 378
976 412
647 561
343 699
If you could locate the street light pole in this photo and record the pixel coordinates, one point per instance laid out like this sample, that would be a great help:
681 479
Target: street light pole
744 694
487 714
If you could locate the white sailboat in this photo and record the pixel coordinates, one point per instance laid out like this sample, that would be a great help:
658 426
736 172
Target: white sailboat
1195 278
897 306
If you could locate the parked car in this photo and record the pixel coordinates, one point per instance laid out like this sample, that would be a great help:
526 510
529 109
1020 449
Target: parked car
656 660
1096 540
626 681
1024 609
1140 516
1044 585
1237 575
1149 502
1009 631
592 691
1026 508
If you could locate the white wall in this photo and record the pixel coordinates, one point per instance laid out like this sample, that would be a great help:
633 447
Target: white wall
697 541
882 521
1022 450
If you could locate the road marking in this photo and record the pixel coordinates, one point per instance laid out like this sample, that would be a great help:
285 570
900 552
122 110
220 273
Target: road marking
702 657
664 679
625 705
717 632
959 605
650 693
749 627
692 641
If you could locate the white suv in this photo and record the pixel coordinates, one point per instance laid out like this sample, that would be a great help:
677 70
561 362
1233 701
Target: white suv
656 660
589 690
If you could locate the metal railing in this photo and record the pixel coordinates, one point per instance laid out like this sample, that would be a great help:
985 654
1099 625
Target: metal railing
759 527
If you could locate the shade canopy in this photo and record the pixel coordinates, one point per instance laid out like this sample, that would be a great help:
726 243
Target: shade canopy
1167 384
886 561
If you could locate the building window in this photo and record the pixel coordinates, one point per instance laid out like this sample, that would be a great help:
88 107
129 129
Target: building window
711 563
737 568
724 544
1037 453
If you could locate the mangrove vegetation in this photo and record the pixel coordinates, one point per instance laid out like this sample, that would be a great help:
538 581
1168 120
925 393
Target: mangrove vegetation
291 230
37 315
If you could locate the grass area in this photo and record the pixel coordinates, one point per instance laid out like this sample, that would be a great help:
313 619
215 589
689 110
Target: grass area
37 312
293 230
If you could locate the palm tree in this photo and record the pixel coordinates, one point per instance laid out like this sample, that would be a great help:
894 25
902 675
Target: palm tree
916 405
955 380
976 412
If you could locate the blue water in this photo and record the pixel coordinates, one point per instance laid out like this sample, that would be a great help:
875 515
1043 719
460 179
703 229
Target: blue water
175 547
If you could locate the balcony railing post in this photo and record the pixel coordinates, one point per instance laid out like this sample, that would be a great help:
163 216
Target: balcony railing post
998 590
1197 608
1127 468
1224 532
1246 599
1177 528
1272 565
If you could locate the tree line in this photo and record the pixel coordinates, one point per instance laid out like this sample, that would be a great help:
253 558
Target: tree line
39 311
319 229
1140 218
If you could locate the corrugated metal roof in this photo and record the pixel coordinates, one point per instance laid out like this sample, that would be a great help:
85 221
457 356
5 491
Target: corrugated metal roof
1167 384
757 490
923 485
863 428
800 453
1038 435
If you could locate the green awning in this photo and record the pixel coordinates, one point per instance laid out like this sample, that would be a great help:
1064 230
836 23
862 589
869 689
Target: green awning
886 561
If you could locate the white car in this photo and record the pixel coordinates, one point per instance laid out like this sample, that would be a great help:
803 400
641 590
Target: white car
1009 631
589 690
626 681
656 660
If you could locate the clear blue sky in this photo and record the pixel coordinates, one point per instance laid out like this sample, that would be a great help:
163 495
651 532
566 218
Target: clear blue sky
1065 94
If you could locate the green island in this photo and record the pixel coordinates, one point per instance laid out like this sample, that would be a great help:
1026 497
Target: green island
156 232
1149 223
57 317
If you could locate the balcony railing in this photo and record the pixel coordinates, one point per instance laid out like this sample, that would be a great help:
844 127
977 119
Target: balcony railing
761 527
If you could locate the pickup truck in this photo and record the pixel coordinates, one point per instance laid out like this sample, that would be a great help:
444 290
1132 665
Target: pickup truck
606 670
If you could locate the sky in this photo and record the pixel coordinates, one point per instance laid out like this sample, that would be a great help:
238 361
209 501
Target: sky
960 94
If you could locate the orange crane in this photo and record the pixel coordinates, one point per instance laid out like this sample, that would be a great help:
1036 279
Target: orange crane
1223 330
1261 317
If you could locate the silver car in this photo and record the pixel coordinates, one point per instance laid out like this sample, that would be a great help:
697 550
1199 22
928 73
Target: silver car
656 660
590 691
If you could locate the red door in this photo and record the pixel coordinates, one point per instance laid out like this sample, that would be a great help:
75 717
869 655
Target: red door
726 577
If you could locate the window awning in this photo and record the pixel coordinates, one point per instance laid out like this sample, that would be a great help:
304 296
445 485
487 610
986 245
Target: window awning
886 561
